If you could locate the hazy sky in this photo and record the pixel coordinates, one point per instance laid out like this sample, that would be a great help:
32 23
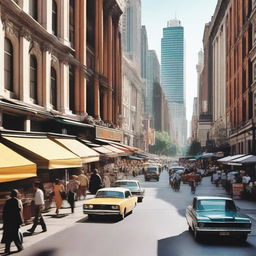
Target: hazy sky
193 15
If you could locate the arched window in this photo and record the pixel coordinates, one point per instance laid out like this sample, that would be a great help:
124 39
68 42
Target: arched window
54 17
33 9
72 22
53 92
8 65
71 88
33 78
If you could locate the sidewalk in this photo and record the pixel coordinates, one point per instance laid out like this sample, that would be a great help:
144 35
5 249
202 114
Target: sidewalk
54 224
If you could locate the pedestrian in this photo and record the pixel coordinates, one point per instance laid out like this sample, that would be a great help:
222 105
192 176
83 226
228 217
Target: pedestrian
58 189
246 180
83 186
95 182
72 188
12 219
39 207
106 180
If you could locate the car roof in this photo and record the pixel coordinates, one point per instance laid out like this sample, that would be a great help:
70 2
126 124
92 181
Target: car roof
127 181
212 198
114 189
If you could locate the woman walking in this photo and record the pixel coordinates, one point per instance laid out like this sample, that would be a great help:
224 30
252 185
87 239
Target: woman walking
58 189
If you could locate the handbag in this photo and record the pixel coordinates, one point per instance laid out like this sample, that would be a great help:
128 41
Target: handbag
63 195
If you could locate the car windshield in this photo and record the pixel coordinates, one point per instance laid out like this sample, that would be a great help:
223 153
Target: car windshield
216 205
127 184
152 169
110 194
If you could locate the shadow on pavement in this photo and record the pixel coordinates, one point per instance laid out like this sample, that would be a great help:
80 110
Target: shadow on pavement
184 245
46 252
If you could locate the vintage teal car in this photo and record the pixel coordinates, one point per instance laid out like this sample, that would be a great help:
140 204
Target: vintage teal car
217 216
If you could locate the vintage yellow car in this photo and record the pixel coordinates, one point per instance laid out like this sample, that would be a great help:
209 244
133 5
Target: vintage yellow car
110 201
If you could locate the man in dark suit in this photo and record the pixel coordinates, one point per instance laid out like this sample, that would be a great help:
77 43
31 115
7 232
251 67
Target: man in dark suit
12 219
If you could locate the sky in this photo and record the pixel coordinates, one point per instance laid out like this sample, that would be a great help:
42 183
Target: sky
193 15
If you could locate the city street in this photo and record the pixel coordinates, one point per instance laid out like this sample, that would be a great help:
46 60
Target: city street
156 227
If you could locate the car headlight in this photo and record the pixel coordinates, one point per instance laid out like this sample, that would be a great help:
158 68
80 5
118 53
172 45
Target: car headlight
200 224
115 207
88 206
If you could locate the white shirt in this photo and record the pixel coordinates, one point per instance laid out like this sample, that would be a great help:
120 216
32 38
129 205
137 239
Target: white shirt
39 197
246 179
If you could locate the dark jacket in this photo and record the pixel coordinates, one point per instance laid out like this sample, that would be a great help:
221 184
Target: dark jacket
95 183
12 219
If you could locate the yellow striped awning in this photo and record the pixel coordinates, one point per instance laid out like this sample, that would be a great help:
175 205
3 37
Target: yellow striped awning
14 166
87 154
44 152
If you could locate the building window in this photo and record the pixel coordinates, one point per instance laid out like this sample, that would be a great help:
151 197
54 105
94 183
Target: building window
33 78
53 91
71 88
33 9
8 65
54 17
72 22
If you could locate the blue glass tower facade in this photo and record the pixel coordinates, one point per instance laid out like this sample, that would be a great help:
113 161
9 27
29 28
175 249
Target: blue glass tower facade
172 77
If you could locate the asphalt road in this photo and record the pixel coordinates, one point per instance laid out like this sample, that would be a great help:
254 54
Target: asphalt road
156 227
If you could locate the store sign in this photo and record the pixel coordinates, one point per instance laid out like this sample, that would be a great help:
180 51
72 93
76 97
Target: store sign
109 134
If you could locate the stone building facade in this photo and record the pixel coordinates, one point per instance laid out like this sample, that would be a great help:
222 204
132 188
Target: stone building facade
61 62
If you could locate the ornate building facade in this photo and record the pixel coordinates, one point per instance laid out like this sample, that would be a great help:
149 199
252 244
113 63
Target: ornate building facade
61 62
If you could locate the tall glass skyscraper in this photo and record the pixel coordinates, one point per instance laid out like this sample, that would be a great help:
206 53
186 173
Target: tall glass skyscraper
172 77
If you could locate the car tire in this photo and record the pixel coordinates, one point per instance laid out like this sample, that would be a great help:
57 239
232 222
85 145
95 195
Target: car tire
140 199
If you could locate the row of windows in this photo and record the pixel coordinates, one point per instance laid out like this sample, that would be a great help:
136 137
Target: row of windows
34 10
33 77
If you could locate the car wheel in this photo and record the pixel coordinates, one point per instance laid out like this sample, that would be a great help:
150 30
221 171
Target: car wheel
140 199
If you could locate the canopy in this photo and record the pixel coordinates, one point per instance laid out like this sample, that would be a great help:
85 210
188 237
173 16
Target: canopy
115 150
87 154
250 159
133 149
44 152
105 151
229 158
14 166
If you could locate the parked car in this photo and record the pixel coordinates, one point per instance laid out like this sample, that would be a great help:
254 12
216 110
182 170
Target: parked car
217 216
110 201
152 172
134 186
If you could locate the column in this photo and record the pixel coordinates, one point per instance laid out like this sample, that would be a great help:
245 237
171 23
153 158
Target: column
83 51
63 21
27 124
100 44
110 67
24 69
2 34
64 89
46 78
96 79
47 15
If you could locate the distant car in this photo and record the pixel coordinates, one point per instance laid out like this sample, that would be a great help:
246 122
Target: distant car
152 172
217 216
134 186
110 201
178 169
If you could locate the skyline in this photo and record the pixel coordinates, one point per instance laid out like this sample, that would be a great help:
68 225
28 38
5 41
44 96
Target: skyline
156 19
